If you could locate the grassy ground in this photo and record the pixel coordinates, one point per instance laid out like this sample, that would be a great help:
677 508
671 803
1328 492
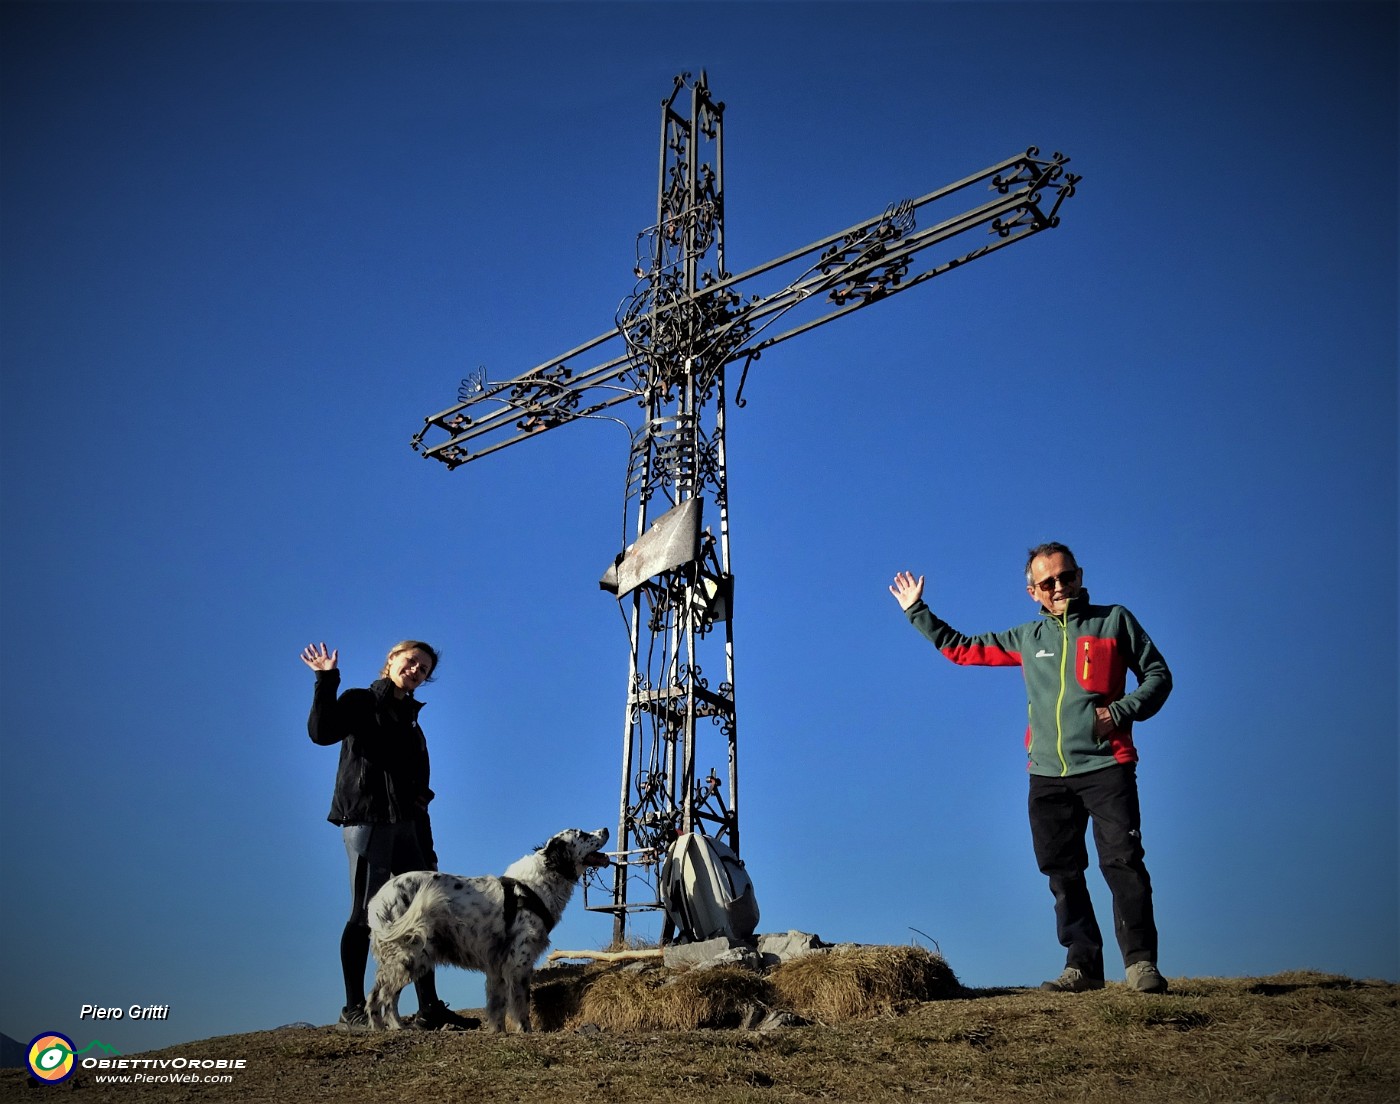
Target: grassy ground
1287 1039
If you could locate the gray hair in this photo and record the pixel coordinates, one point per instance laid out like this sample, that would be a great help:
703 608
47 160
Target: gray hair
1048 549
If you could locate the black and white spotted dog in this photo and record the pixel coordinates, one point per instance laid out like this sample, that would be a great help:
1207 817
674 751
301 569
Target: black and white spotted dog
500 925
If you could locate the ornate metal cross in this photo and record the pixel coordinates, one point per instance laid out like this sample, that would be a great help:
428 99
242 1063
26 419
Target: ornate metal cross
687 321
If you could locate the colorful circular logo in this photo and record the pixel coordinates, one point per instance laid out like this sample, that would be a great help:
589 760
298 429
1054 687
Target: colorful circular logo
51 1057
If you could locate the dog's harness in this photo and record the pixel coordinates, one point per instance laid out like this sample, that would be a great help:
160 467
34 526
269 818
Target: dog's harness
518 893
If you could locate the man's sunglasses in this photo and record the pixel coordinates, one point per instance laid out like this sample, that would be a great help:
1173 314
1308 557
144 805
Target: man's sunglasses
1065 578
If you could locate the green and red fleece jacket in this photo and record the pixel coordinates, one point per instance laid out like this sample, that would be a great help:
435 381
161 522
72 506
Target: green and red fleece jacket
1071 664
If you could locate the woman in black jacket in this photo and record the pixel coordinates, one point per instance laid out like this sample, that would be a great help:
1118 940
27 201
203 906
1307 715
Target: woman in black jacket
380 802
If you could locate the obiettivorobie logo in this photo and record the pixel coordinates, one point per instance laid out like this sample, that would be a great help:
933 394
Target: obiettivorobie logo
53 1059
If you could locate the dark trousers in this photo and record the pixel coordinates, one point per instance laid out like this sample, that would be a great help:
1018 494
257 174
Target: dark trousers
377 852
1060 811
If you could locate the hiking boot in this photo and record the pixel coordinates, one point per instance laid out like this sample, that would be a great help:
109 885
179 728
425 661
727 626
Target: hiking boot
438 1017
1144 977
1073 980
353 1018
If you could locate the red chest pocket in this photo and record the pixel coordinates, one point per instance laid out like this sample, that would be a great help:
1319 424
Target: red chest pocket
1098 666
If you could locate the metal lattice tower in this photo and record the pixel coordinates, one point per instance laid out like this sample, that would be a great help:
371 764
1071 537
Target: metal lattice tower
685 323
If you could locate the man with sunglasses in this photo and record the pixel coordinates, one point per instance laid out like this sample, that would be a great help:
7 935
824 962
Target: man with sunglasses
1080 753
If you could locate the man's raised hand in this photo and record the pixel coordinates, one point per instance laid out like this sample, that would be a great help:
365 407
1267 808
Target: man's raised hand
906 589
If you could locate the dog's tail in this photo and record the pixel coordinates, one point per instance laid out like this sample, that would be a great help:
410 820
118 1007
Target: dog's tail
408 924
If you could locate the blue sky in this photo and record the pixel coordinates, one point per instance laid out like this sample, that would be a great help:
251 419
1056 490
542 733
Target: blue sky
247 248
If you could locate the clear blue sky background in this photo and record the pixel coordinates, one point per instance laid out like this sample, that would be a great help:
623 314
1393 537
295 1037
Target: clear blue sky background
247 248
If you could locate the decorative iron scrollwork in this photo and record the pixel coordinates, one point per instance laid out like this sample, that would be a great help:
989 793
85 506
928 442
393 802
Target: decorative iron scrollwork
874 268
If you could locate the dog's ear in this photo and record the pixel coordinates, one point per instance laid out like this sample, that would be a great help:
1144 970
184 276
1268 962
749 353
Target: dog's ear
559 857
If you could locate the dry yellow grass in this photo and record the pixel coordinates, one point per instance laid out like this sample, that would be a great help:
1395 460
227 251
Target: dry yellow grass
860 982
662 1000
843 984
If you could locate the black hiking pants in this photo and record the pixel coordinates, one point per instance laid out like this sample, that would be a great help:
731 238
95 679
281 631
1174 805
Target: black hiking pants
1060 812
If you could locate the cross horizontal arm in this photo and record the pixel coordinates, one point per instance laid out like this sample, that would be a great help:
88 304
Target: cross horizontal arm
861 229
546 396
876 258
828 279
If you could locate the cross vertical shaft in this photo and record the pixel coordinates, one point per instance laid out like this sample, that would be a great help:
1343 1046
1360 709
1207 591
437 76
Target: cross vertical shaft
676 474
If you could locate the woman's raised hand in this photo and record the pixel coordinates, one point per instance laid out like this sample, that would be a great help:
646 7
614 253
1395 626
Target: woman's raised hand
317 658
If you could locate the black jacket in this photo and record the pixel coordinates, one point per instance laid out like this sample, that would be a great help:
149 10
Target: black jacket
383 773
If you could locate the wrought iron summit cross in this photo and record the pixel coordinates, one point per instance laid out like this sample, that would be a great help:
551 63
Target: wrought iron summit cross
685 323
